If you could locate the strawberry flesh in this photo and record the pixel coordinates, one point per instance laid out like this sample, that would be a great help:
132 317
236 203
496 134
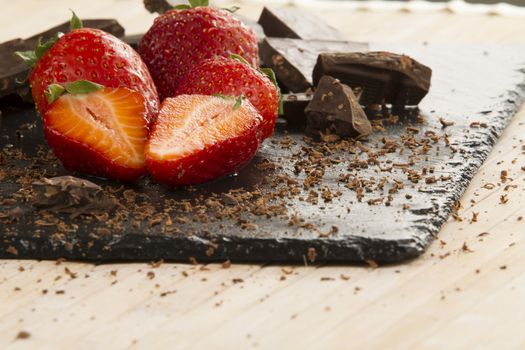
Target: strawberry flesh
102 133
199 138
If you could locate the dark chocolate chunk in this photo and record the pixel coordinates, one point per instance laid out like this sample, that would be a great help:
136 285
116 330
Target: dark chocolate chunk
334 109
293 59
158 6
132 40
13 70
296 23
68 194
386 78
294 106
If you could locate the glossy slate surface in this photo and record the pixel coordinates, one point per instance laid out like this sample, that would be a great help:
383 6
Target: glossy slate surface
470 84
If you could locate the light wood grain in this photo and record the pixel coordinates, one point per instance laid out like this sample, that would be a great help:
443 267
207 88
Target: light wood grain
449 298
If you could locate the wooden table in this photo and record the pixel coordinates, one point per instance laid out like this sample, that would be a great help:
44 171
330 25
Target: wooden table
467 291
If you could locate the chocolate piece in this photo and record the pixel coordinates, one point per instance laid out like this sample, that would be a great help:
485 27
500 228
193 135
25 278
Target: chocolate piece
13 70
68 194
158 6
294 106
132 40
334 109
293 59
297 24
386 78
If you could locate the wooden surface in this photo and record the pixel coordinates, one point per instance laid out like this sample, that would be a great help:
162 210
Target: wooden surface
467 291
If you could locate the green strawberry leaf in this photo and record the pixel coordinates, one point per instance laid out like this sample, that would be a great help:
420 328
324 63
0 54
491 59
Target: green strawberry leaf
41 48
197 3
271 75
75 23
29 57
238 58
82 87
238 103
181 7
54 91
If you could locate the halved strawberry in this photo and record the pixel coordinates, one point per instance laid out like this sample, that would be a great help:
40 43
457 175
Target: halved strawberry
233 76
90 54
199 138
100 133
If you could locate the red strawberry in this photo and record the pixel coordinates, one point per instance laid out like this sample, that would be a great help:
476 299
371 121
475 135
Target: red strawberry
199 138
180 39
100 133
233 77
88 54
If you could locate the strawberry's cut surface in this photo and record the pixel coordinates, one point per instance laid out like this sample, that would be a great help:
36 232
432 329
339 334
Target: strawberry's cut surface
200 138
231 77
181 39
102 133
97 56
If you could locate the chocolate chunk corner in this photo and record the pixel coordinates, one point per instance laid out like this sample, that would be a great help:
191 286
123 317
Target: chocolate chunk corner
296 23
334 109
385 77
68 194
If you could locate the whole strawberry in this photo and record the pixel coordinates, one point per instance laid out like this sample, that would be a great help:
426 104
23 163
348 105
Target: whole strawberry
88 54
235 77
185 36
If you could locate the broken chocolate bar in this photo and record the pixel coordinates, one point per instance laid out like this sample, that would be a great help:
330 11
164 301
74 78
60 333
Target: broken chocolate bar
294 106
13 70
296 23
334 109
68 194
386 78
293 60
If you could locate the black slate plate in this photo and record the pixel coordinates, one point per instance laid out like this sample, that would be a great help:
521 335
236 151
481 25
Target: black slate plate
480 85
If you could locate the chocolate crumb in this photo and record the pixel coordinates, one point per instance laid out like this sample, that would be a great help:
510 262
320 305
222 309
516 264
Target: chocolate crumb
344 277
445 123
312 254
23 335
466 248
327 279
372 263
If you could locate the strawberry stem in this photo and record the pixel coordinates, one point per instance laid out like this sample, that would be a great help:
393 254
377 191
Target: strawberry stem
232 9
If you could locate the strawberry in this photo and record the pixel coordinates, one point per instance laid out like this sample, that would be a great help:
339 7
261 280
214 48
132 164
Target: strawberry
98 131
235 77
182 38
199 138
88 54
